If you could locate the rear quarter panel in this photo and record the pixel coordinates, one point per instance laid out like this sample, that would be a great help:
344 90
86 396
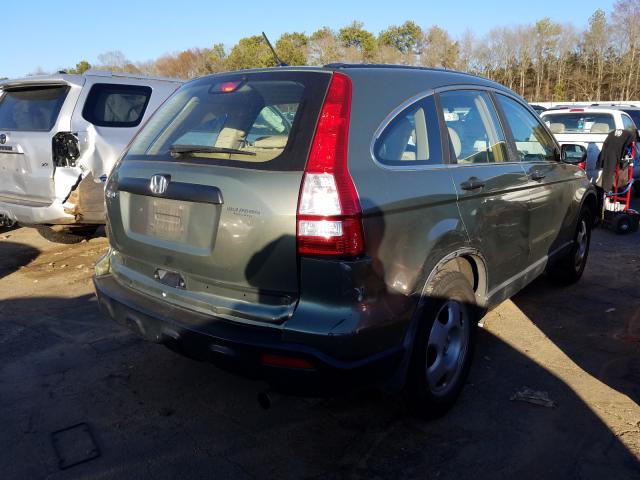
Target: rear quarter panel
411 219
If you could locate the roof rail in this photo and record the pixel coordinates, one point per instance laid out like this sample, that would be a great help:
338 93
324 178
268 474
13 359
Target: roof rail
141 76
337 65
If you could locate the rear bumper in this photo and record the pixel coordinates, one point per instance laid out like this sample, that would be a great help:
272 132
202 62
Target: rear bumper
31 214
56 213
239 347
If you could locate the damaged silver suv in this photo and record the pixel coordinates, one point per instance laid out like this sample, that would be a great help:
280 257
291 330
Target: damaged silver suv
60 135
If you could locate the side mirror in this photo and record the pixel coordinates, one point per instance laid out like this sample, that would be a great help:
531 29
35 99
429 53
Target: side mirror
573 153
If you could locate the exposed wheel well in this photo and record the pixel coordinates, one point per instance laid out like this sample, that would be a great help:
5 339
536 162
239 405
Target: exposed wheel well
472 267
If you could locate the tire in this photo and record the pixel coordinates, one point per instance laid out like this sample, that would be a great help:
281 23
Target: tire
449 321
569 269
68 235
7 224
624 223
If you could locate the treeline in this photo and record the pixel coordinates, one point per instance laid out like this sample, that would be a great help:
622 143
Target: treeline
545 61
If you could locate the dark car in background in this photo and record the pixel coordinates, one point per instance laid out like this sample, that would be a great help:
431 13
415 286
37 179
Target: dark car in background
355 237
537 108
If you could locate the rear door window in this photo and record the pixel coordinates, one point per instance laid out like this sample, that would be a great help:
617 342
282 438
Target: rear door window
412 138
628 123
580 122
258 120
114 105
475 133
532 141
635 116
31 108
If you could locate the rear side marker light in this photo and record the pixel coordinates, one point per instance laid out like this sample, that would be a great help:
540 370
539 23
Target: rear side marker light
329 220
271 360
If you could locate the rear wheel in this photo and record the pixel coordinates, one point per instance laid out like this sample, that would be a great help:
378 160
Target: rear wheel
67 235
624 223
443 347
570 268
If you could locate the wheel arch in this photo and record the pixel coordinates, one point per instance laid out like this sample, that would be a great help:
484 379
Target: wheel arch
589 200
472 264
468 261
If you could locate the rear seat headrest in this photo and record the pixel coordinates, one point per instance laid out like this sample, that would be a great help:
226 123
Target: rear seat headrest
599 128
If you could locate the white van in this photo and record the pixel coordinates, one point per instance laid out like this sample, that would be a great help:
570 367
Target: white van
60 135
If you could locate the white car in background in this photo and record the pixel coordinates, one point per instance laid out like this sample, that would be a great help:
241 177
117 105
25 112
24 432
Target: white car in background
60 135
588 126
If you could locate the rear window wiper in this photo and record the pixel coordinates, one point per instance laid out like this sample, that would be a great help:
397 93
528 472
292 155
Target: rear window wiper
177 150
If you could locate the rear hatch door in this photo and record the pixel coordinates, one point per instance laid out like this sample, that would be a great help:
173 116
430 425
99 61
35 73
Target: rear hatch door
30 115
203 205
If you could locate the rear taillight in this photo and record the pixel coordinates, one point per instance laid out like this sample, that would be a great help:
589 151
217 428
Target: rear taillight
329 220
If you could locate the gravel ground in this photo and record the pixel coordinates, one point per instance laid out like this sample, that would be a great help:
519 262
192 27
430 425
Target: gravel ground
154 414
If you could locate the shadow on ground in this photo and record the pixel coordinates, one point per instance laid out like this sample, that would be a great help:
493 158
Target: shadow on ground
156 414
15 255
596 322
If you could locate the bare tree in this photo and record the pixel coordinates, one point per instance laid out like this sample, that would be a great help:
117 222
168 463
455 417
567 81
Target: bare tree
541 61
626 18
323 47
596 43
439 49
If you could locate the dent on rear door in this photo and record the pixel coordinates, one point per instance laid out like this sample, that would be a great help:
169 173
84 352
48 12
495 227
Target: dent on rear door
100 147
496 217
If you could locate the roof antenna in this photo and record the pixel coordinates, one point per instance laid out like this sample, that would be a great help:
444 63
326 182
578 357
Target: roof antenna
279 62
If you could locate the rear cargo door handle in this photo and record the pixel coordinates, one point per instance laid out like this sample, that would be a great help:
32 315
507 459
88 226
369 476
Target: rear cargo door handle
537 176
472 184
188 192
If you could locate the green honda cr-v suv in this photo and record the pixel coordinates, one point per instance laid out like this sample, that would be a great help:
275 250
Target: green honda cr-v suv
331 226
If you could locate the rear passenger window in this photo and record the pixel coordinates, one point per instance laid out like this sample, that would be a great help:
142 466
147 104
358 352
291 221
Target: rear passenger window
412 138
112 105
475 134
628 123
533 143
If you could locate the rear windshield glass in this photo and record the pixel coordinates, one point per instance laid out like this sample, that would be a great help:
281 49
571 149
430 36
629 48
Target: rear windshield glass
114 105
251 120
579 122
31 109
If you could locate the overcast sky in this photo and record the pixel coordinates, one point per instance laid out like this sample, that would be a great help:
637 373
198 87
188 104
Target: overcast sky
54 35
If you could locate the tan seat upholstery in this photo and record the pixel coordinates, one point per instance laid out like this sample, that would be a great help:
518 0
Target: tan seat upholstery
556 128
230 138
273 141
599 128
455 141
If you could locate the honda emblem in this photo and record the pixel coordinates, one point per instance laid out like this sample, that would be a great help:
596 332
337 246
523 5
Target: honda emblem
158 184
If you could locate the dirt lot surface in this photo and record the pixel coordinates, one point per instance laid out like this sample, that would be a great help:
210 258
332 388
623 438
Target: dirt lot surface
154 414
